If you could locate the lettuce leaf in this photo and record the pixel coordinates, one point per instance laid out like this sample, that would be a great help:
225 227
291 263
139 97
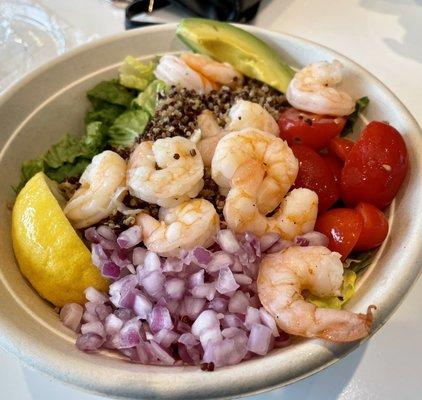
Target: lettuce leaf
347 291
361 104
135 74
105 113
67 158
28 170
147 100
358 262
110 92
127 127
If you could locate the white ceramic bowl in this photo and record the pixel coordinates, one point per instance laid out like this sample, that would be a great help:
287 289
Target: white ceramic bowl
52 101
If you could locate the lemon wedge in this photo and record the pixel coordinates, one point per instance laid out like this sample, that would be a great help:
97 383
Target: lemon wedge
50 253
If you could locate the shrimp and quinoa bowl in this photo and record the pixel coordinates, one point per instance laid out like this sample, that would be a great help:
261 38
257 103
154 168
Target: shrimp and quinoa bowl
215 208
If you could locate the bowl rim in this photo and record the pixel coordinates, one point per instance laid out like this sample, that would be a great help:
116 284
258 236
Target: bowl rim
328 354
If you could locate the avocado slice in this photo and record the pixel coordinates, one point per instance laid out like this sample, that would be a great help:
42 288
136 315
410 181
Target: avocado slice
228 43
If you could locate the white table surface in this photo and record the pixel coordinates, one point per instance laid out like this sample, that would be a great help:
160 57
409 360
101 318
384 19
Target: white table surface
384 36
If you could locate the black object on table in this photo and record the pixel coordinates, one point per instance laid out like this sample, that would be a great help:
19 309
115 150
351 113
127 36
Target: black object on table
223 10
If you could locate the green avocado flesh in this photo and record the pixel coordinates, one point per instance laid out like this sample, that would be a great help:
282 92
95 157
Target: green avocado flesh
244 51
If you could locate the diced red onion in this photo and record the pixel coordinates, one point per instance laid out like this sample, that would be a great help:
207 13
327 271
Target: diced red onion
207 327
201 256
165 337
226 282
124 314
161 354
192 307
206 290
259 339
196 279
129 335
188 340
242 279
107 233
268 320
143 354
153 283
95 296
89 317
91 235
160 318
110 270
152 261
175 288
119 289
268 240
227 241
219 304
71 315
231 320
280 245
130 237
93 327
138 256
252 317
219 260
112 325
254 301
239 302
98 255
173 265
142 306
119 259
312 239
89 342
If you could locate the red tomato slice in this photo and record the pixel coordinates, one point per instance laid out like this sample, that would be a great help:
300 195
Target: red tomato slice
334 164
343 227
340 147
315 131
314 174
375 167
374 229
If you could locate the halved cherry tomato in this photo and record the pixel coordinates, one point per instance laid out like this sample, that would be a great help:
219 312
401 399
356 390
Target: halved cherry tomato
334 164
374 229
375 167
343 227
340 147
314 174
315 131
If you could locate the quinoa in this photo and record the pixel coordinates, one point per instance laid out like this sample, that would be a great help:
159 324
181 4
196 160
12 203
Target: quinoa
178 108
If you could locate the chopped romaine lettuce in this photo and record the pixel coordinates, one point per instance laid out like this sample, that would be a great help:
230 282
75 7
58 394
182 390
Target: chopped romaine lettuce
67 158
360 261
135 74
347 291
105 113
111 92
147 99
361 104
127 127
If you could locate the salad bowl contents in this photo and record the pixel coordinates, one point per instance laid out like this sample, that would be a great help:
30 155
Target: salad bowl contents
218 207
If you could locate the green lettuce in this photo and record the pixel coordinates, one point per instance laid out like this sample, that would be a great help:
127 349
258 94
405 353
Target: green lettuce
361 104
105 113
111 92
127 127
347 291
135 74
67 158
358 262
147 100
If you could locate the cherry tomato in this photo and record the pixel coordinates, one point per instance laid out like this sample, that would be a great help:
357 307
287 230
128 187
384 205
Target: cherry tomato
374 229
340 147
315 131
334 164
314 174
375 167
343 227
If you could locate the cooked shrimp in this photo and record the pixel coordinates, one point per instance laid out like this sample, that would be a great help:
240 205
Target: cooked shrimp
190 224
174 71
296 215
245 114
314 89
272 153
282 278
166 172
92 202
211 133
214 71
